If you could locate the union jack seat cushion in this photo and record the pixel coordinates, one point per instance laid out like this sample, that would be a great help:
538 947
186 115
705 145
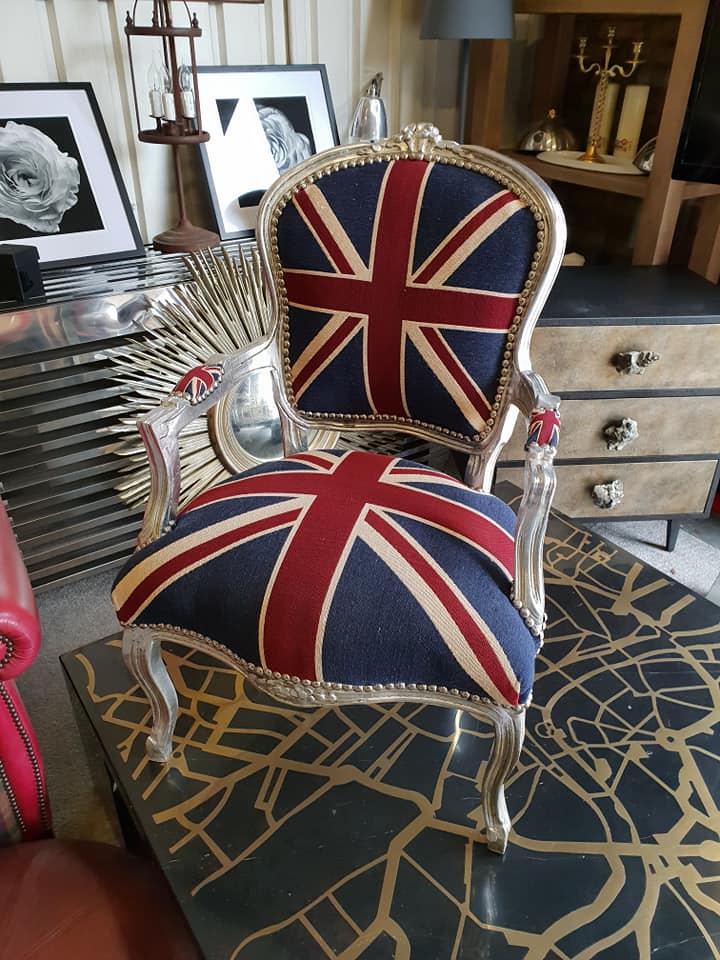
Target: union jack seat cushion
402 281
348 567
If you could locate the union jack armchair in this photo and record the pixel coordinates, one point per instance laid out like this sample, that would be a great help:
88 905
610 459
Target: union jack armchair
406 278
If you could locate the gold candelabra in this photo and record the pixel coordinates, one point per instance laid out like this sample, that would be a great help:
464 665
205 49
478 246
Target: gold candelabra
604 71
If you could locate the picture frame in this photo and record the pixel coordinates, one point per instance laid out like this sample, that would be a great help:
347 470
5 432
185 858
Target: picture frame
60 186
261 120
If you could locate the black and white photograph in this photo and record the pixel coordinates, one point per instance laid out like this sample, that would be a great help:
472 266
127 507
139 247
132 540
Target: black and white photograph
262 121
60 187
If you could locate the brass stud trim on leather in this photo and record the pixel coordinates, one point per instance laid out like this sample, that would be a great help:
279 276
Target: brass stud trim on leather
34 761
9 647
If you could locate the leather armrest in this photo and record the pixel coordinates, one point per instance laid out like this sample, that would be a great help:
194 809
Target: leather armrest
19 623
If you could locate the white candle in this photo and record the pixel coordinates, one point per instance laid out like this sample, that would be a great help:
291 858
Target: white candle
631 121
188 104
156 103
608 115
169 106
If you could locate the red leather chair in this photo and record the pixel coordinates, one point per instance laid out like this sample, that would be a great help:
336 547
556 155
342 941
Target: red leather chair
24 808
62 899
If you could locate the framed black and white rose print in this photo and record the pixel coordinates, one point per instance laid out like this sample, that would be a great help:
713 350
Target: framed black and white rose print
261 120
60 187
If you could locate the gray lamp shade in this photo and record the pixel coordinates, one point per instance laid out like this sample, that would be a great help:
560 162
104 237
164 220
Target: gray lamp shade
467 20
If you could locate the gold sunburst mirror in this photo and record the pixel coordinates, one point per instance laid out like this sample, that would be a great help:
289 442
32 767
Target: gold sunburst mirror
223 308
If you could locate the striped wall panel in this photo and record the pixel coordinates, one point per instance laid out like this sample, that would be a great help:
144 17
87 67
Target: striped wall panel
83 40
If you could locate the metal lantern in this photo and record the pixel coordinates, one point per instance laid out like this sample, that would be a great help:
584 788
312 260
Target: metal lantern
173 106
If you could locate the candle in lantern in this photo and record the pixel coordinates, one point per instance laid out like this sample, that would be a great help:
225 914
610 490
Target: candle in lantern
155 83
187 96
168 96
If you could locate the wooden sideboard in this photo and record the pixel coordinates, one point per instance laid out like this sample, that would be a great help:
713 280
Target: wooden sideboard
593 317
659 198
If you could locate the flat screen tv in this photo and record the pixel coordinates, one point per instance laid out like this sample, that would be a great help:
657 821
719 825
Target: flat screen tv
698 154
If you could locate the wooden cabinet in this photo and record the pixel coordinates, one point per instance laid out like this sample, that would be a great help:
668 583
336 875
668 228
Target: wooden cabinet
660 197
594 315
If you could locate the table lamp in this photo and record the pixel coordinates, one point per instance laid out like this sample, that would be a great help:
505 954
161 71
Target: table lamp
466 20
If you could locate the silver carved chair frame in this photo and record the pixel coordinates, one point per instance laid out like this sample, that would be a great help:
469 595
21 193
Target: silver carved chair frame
524 392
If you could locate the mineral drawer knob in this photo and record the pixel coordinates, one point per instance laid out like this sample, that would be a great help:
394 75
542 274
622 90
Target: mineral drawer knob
621 433
607 496
635 361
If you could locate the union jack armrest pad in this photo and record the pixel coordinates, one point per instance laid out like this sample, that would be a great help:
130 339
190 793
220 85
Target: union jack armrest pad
544 428
199 383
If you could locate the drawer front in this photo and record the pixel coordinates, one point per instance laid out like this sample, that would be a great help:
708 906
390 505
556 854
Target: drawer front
666 426
582 358
662 488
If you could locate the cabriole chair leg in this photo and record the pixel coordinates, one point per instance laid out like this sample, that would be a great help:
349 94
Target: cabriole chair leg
509 734
141 652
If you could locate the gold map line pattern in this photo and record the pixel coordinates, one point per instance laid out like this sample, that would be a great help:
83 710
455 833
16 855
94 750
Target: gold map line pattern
630 678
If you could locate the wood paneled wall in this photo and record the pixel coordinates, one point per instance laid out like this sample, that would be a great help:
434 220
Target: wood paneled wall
83 40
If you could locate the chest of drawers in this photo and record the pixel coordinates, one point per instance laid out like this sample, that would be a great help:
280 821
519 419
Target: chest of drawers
634 352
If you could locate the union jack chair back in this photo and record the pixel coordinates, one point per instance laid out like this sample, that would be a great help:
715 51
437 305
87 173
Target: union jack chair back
406 277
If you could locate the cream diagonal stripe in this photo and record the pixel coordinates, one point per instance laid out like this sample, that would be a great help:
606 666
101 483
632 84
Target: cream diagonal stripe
443 374
318 342
443 622
330 595
425 477
476 238
327 216
310 458
135 577
416 220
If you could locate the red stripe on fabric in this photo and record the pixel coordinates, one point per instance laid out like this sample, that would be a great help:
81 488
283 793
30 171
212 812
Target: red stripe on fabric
394 235
313 459
471 632
290 483
184 560
309 566
450 248
323 291
345 330
447 307
458 373
323 233
440 305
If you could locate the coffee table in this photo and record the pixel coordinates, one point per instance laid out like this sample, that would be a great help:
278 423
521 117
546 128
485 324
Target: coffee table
304 834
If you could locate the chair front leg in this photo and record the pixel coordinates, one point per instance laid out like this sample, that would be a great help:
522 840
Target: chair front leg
509 734
141 652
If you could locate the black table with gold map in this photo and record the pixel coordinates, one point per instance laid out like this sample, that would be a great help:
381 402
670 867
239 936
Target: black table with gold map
305 834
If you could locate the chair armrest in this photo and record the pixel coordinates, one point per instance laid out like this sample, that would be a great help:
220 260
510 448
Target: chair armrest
541 409
19 624
199 390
